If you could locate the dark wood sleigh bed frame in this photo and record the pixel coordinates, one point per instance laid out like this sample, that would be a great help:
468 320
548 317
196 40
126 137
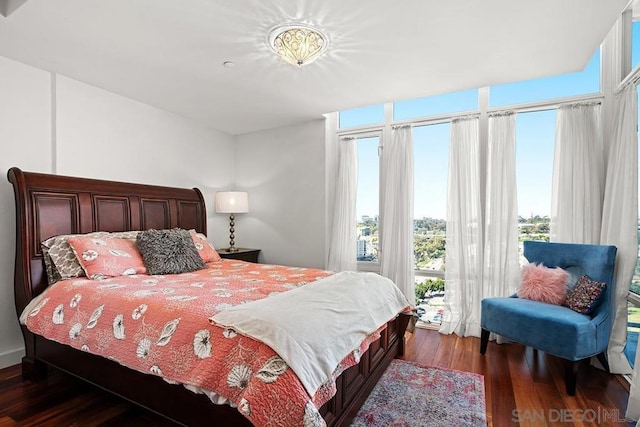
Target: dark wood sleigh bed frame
49 205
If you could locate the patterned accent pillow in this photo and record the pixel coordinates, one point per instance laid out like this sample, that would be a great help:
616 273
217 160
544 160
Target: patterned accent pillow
52 272
61 262
107 257
59 259
206 251
585 296
169 251
544 284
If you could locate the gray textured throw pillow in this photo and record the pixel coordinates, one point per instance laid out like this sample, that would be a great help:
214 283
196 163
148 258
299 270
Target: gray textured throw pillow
169 251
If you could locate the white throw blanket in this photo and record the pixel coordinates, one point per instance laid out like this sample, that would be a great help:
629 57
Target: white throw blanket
315 326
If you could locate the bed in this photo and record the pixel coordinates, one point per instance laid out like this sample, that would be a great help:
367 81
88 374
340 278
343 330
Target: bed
50 205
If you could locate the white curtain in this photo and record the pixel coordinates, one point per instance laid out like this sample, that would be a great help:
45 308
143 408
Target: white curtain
396 222
578 175
342 246
464 260
501 264
620 222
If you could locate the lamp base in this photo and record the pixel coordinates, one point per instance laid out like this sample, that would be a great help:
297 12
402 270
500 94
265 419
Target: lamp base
232 247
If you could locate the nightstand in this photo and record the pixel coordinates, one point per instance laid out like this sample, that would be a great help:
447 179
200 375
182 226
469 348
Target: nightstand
243 254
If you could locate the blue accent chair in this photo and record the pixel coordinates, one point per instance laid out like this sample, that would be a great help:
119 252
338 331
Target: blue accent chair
556 329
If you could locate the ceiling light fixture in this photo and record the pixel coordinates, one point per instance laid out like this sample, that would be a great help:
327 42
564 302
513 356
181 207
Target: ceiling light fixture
298 44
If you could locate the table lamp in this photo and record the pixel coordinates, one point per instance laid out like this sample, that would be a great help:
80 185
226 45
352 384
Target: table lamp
232 202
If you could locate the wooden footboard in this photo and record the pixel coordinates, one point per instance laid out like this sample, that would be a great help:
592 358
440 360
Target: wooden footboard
185 407
355 384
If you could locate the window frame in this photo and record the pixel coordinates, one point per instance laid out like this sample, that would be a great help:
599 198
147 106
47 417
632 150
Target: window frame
384 129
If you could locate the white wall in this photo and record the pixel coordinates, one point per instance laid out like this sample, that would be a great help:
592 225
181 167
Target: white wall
25 141
106 136
50 123
283 170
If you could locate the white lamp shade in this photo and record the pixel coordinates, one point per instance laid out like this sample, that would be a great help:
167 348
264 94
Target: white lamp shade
232 202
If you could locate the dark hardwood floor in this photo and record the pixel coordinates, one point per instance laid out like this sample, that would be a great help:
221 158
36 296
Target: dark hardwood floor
525 385
516 379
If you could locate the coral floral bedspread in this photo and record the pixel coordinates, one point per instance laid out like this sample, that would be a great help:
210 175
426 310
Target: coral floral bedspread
159 325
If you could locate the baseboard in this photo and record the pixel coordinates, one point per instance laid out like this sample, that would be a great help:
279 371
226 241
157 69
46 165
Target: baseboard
11 358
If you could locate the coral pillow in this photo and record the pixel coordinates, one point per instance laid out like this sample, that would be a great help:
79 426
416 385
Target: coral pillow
543 284
585 295
206 251
105 257
60 260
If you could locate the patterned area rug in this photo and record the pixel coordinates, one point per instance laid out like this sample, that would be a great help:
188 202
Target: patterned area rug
411 395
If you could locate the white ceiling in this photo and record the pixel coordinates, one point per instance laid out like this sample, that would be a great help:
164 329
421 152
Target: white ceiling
169 53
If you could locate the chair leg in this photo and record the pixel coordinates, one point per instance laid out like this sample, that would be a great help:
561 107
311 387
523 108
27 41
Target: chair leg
570 375
484 340
604 362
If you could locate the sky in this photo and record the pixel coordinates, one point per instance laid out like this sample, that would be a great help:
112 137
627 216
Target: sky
535 134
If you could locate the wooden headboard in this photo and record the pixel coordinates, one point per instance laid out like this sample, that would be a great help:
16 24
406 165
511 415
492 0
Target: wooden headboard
50 205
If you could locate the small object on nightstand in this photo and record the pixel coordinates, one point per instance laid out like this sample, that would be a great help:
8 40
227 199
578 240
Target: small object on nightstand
242 254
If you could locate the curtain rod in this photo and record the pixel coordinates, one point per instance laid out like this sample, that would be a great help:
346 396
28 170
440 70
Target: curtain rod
547 104
361 131
632 78
434 120
447 118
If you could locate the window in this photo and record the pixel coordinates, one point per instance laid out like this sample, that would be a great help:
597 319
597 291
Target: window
535 140
633 303
635 282
431 157
580 83
633 299
436 105
361 116
635 44
367 202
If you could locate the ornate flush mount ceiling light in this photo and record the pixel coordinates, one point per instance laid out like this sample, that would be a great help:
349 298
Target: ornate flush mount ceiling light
297 44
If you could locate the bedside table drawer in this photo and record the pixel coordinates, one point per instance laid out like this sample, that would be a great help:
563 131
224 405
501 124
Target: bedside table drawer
242 254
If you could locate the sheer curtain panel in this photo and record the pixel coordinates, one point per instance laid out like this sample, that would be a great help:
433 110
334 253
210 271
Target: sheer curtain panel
342 247
463 275
396 221
578 175
620 223
501 265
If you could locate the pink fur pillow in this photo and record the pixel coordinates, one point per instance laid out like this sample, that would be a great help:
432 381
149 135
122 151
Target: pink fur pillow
544 284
